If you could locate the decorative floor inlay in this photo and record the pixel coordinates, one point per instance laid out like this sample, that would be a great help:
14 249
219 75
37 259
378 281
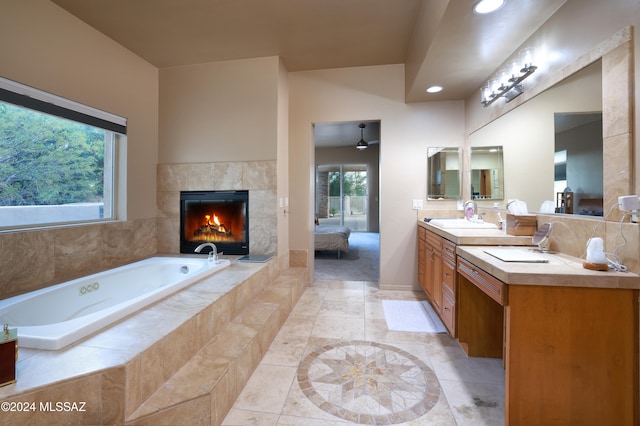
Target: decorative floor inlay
368 382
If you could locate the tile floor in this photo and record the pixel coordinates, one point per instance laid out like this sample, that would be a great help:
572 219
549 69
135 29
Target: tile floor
334 362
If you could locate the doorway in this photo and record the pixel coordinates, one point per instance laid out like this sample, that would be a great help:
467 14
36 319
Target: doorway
346 195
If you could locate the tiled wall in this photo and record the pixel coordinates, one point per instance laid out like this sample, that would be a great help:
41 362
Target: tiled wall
259 177
30 260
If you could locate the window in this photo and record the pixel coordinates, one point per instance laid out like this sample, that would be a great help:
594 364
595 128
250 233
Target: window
57 159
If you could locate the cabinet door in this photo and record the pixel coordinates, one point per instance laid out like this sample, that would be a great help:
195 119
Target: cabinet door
433 276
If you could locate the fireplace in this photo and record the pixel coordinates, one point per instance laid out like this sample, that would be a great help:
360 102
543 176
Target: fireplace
219 217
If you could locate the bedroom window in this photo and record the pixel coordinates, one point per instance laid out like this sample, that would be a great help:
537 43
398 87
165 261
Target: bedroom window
342 196
58 159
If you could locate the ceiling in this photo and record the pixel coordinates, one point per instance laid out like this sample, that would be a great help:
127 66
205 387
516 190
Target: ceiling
441 42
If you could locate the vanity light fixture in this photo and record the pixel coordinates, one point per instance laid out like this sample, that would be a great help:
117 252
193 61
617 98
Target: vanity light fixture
508 82
361 145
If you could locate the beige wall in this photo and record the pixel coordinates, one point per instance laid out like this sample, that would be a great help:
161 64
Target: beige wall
222 111
406 130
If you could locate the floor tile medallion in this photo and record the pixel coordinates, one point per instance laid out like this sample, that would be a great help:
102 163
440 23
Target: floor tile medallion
368 382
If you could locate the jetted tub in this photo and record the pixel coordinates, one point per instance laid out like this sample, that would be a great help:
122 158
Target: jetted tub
56 316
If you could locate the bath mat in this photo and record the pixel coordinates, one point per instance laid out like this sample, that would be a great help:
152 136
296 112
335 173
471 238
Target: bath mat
413 316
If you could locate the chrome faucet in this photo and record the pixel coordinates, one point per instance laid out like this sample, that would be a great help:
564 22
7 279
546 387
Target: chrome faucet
214 250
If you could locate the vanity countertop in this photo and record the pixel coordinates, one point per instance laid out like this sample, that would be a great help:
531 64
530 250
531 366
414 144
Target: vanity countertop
468 236
561 270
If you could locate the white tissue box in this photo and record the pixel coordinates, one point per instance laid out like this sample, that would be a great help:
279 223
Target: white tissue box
521 224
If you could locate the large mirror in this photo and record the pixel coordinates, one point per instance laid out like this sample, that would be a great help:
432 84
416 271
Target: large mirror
487 173
443 173
528 135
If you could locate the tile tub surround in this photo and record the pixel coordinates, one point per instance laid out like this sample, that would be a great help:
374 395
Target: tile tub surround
34 259
259 177
118 371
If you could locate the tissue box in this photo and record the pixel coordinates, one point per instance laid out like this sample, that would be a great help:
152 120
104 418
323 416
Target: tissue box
522 224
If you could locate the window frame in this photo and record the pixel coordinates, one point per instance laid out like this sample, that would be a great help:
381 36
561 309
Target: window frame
114 190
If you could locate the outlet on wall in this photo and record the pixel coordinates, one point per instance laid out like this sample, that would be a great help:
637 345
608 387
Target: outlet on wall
417 204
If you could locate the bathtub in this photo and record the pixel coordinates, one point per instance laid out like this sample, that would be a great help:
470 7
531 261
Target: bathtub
56 316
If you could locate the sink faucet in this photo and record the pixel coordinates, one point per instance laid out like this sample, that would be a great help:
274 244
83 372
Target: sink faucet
470 209
213 254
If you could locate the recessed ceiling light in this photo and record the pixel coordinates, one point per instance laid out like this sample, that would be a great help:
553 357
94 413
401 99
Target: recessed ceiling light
434 89
483 7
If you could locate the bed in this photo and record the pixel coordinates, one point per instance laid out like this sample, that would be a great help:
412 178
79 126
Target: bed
330 237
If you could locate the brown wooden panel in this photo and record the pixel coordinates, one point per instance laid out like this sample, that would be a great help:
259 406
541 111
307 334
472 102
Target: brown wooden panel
480 321
571 356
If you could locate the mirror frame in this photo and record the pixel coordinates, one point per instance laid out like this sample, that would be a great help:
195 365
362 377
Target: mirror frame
617 115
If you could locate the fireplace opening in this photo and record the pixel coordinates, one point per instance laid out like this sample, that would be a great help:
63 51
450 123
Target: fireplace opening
218 217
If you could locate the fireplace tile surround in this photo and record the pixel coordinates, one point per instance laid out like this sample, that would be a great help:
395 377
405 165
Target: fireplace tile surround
258 177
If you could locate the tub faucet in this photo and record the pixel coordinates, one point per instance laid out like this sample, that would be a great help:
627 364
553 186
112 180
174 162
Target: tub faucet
213 254
214 249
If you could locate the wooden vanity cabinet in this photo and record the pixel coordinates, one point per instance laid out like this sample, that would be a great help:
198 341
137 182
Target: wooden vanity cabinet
437 274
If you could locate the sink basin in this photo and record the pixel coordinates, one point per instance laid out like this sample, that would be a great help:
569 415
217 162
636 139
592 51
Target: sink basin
455 223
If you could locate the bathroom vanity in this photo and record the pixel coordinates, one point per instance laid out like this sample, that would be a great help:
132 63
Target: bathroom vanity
437 262
568 336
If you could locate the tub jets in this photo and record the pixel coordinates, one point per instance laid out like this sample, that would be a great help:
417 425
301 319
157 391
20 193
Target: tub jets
184 269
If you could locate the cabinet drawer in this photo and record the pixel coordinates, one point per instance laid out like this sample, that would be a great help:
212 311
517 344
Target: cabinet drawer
489 284
448 273
449 250
448 312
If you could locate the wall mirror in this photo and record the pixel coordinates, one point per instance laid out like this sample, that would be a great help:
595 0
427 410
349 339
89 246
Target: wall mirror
528 134
487 173
443 173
